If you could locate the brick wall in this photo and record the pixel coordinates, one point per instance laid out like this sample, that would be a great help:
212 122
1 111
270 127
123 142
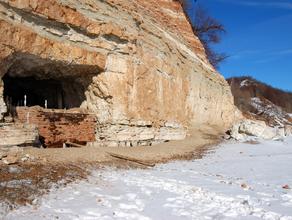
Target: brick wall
58 126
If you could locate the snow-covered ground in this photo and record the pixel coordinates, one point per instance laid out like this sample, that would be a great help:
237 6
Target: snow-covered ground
234 181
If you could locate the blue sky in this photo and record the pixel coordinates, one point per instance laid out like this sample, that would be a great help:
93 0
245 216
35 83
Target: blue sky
258 39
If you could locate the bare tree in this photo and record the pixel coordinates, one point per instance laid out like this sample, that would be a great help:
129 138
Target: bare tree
209 31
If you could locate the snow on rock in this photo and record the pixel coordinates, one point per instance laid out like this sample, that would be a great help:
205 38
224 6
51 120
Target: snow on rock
246 83
260 102
268 122
273 113
235 181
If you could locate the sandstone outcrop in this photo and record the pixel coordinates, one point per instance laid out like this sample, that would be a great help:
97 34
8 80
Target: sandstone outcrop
135 64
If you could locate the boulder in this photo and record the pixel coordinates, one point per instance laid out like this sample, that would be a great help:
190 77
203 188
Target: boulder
252 128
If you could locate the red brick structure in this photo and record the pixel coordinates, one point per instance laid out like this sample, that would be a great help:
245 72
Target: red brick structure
57 126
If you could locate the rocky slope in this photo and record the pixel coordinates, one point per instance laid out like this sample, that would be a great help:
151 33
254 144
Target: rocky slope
135 64
260 101
266 108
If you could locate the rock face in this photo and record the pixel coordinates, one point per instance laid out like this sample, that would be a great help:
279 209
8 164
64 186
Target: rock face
12 155
135 64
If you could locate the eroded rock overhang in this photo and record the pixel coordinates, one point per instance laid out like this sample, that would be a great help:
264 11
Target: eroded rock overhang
142 71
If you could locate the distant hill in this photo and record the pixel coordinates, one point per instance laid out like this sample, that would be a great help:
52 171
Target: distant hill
261 101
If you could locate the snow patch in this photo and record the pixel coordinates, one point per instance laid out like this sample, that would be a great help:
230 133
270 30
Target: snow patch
234 182
245 83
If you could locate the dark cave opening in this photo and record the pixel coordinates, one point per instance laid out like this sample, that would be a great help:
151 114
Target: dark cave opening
64 93
45 82
36 92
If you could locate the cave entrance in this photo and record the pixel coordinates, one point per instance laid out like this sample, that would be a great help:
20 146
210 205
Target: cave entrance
51 96
64 93
30 92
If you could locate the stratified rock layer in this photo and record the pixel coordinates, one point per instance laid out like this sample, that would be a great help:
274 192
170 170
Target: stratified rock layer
18 134
145 74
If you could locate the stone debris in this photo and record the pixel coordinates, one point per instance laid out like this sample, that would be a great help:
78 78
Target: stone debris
14 155
27 157
246 129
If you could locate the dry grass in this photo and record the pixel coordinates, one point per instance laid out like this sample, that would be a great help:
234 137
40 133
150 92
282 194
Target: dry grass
22 184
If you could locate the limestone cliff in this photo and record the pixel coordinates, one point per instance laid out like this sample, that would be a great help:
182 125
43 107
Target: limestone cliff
136 64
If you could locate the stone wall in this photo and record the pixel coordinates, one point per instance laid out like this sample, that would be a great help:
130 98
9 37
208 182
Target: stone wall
58 126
